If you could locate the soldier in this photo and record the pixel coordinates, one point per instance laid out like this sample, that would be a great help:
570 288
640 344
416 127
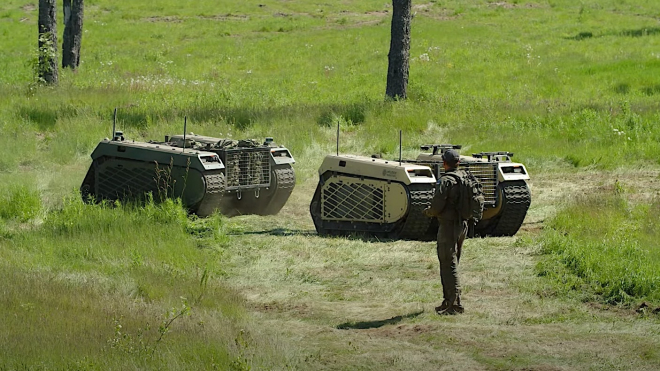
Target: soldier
451 231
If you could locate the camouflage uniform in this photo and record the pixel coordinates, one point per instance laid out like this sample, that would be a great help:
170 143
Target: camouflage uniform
451 234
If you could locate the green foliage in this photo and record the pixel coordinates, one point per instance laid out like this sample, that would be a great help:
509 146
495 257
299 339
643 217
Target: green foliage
531 90
352 114
603 246
41 63
20 203
209 232
76 218
140 344
130 285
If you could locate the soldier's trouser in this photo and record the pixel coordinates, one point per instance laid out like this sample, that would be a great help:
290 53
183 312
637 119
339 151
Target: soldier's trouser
451 235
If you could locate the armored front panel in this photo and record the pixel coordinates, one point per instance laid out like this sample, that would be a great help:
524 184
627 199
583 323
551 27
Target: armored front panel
120 179
354 199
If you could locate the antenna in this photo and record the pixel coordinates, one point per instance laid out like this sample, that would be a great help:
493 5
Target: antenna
114 124
399 147
185 123
337 137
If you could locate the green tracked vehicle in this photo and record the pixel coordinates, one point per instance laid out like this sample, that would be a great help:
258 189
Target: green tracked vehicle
129 170
385 198
505 185
259 177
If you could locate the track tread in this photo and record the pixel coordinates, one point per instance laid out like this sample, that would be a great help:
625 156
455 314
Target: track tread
286 177
416 224
215 187
517 199
315 211
285 180
87 190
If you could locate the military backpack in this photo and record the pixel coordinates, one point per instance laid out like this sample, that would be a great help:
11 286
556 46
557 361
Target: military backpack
471 196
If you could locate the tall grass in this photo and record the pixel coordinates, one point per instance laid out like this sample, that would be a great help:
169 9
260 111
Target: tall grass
20 203
602 246
117 286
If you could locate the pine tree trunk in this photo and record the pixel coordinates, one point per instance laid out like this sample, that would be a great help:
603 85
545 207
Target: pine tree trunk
399 56
47 68
72 38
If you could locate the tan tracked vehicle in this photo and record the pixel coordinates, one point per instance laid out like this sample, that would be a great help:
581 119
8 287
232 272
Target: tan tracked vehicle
381 198
259 177
373 197
507 194
129 170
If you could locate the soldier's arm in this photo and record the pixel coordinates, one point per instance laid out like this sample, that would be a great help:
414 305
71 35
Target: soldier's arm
439 201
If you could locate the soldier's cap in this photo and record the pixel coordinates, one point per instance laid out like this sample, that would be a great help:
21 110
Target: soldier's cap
450 156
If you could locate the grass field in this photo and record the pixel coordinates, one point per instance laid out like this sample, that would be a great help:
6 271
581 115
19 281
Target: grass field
570 87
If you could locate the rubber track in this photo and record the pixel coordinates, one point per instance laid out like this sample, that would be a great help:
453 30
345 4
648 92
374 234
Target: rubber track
87 187
286 177
286 181
215 188
516 198
315 211
417 224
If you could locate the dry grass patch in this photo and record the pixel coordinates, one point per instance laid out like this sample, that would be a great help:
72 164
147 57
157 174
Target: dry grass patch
356 303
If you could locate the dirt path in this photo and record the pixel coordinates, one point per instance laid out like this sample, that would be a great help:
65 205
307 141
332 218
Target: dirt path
353 304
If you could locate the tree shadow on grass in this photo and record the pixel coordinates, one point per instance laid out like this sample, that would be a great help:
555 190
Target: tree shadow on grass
645 31
581 36
240 117
376 324
43 118
243 117
640 32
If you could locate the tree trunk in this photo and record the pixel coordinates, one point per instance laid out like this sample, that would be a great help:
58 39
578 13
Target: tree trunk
399 56
72 38
47 68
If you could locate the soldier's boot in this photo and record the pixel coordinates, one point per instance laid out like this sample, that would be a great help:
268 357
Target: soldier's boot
457 308
442 307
